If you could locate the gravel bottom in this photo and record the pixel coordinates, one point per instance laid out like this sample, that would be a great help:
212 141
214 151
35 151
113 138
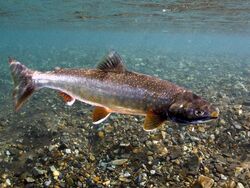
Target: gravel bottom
48 144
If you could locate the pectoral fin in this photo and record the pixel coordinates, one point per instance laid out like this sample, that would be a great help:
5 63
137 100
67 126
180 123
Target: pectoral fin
67 98
100 114
152 121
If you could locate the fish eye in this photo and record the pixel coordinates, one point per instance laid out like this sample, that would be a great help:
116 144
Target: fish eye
198 113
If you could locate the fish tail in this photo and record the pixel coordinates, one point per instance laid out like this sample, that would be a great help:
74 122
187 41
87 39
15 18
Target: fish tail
23 83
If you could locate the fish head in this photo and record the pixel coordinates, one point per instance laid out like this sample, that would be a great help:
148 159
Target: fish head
188 108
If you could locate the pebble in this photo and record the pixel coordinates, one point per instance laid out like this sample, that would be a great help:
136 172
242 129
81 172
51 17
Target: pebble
36 171
68 151
124 179
152 172
106 183
101 134
91 157
222 122
201 129
47 183
237 125
55 172
223 177
230 184
240 185
205 182
119 162
238 170
8 182
219 168
30 180
7 153
193 164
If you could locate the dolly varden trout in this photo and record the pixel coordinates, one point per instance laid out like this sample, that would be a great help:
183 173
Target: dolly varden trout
111 88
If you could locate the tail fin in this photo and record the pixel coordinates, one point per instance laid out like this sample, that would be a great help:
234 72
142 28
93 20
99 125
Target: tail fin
23 83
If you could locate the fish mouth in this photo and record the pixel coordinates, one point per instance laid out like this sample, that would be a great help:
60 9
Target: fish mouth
195 121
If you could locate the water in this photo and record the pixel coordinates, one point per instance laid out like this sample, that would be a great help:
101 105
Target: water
203 46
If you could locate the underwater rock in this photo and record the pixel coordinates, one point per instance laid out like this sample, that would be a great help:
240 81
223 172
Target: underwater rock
237 125
55 172
29 180
204 182
37 172
175 152
119 162
239 185
219 168
192 165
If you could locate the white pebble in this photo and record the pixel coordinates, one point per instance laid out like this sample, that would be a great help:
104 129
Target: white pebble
47 183
8 182
152 172
239 185
7 152
68 151
223 177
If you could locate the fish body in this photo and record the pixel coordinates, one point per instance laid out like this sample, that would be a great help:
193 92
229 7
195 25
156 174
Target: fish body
111 88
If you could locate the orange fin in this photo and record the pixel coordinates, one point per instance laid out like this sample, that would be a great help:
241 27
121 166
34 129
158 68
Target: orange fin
67 98
100 114
152 121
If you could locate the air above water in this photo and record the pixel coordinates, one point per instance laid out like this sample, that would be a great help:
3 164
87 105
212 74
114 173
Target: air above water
203 46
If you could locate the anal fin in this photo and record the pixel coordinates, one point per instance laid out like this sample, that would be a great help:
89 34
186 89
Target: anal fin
100 114
67 98
152 121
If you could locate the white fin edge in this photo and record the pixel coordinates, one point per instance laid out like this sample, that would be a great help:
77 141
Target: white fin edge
101 120
70 103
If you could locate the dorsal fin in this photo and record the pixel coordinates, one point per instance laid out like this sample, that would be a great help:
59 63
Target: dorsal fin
112 62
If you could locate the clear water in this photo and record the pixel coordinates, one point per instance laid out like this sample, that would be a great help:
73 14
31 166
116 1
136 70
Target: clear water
203 45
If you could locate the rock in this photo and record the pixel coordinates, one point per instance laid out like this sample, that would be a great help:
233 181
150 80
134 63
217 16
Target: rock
230 184
62 146
47 183
201 129
37 172
219 168
175 152
119 162
68 151
101 134
91 157
238 170
223 177
142 179
8 182
126 174
236 125
29 180
152 172
192 165
7 152
222 122
239 185
106 183
124 179
55 172
204 182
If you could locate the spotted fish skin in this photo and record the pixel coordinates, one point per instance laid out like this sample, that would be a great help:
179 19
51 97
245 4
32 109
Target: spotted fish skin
114 89
122 92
